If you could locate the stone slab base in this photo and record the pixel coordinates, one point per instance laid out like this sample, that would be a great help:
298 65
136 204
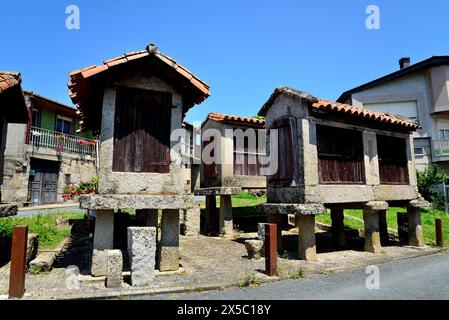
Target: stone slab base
115 202
218 191
292 208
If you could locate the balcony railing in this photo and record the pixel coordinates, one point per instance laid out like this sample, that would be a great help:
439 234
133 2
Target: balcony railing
441 148
61 142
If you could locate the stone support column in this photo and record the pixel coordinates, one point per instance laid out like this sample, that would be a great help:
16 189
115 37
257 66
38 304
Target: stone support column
226 224
415 232
306 237
338 232
103 241
372 234
169 244
211 221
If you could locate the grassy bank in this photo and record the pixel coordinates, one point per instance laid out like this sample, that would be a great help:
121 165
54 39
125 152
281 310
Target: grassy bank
50 235
427 220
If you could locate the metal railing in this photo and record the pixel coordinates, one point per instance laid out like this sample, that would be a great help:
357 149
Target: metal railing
61 142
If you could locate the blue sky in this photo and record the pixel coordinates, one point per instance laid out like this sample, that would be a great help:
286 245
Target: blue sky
243 49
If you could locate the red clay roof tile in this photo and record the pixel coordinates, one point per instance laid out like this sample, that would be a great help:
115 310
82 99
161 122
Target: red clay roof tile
220 117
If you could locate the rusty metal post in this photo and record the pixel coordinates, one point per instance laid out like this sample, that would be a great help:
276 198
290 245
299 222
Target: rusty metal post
18 262
438 233
271 255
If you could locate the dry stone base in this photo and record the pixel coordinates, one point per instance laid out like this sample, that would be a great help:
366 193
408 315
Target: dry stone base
142 254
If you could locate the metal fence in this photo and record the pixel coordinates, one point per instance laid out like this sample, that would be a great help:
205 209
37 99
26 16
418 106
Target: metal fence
61 142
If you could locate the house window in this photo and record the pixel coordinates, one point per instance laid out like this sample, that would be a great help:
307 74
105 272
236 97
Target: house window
64 125
36 118
142 130
392 154
247 158
286 174
444 134
340 156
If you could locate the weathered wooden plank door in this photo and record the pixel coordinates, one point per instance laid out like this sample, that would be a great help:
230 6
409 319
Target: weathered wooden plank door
43 181
142 131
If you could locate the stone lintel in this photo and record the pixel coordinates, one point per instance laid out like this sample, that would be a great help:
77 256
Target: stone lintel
376 205
115 202
292 208
218 191
419 203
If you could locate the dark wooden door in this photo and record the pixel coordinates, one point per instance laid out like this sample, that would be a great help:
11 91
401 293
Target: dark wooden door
142 131
43 181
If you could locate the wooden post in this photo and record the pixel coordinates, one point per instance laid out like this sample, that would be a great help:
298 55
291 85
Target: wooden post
271 249
438 233
18 262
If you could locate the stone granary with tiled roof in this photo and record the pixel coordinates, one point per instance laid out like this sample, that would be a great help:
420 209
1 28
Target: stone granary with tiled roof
237 165
325 154
135 102
12 110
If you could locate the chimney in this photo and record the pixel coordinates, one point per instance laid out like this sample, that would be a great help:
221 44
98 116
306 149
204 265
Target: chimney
404 62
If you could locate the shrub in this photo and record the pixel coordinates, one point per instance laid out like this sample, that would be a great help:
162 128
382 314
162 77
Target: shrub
428 179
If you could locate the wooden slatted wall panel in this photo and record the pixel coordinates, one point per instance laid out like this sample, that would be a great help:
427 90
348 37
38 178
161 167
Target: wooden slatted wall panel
392 153
340 155
142 131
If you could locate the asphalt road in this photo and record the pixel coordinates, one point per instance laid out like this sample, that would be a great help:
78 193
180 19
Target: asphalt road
417 278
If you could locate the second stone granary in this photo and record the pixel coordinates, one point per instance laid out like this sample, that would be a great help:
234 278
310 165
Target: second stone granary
135 102
235 165
333 155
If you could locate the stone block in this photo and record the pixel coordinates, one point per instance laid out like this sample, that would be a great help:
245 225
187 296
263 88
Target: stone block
32 247
99 265
142 254
114 268
104 230
254 248
192 222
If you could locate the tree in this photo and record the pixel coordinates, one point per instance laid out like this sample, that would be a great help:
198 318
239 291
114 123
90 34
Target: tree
428 179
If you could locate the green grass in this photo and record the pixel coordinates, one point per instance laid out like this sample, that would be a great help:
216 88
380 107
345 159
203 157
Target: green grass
427 220
43 225
243 204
